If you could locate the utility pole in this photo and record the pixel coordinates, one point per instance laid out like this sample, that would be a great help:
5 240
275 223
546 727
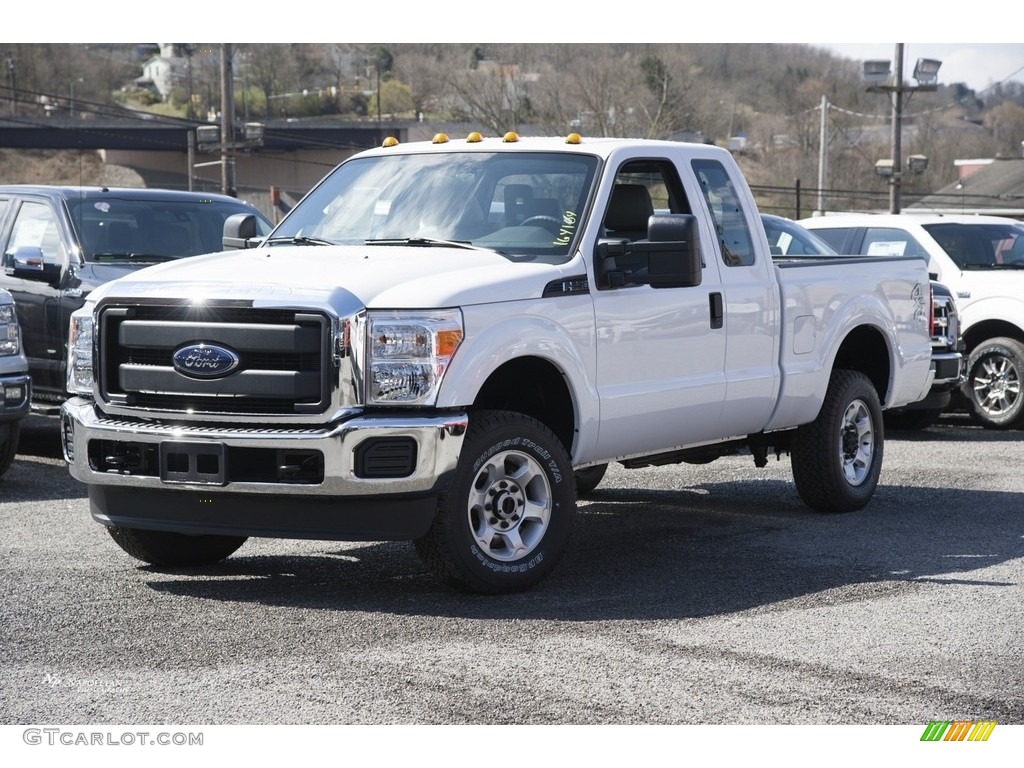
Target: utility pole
823 156
227 121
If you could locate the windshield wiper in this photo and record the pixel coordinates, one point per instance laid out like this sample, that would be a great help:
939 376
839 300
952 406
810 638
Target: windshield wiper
299 240
429 241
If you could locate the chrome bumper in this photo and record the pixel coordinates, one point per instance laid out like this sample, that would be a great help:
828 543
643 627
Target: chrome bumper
86 434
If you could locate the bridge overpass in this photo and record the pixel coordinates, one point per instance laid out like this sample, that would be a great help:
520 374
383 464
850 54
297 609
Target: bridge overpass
293 156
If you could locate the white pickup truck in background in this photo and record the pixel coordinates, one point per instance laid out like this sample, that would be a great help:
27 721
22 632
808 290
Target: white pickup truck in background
981 260
434 342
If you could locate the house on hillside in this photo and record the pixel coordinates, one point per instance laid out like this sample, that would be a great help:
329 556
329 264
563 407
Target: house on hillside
162 71
988 186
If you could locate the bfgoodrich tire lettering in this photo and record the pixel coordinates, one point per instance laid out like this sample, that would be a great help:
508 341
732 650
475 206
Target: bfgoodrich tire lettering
171 550
837 458
506 520
995 370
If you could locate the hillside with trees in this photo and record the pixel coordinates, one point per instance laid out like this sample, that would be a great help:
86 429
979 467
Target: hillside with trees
764 101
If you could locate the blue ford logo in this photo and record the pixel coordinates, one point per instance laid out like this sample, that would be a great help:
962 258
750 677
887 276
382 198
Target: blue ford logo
204 361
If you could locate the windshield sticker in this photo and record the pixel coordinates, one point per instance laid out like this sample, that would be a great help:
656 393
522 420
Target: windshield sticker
103 207
569 219
887 248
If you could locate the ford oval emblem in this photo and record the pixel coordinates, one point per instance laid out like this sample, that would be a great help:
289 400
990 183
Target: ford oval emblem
204 361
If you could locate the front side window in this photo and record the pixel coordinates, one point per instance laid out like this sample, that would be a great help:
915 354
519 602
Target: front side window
734 238
36 233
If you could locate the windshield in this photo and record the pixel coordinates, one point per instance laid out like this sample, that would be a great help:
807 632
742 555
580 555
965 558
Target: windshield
523 205
112 229
981 246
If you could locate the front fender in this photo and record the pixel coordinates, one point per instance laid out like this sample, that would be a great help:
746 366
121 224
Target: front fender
560 330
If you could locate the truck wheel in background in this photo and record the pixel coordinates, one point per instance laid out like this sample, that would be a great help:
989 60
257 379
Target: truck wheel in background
168 549
992 387
9 435
506 519
588 479
838 456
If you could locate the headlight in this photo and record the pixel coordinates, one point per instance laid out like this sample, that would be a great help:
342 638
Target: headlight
10 339
80 352
408 354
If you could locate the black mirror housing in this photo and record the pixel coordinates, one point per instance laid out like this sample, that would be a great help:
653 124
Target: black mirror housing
669 257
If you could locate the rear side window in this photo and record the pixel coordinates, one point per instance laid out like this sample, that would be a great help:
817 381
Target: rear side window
730 223
837 237
883 241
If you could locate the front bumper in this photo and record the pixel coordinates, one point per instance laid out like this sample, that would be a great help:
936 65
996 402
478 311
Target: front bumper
367 477
949 370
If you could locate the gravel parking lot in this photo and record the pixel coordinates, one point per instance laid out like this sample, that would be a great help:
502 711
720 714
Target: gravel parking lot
691 595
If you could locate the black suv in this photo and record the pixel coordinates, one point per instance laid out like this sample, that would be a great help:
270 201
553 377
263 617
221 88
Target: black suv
61 242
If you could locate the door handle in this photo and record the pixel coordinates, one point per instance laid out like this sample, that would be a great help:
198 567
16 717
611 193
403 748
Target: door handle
715 305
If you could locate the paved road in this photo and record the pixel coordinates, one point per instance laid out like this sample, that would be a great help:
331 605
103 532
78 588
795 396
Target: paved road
692 595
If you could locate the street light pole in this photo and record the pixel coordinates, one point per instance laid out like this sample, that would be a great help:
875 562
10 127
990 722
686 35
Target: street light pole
897 132
876 74
227 121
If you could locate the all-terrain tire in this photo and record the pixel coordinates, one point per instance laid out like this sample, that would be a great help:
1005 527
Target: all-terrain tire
174 550
505 521
837 458
992 387
589 478
10 433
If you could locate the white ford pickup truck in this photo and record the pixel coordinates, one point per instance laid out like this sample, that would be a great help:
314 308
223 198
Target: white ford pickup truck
442 336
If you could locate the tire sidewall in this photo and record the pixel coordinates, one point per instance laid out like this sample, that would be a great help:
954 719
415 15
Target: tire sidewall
520 434
1001 348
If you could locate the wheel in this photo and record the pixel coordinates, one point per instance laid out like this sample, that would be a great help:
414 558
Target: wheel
837 457
174 549
9 436
588 479
506 519
912 420
992 388
548 222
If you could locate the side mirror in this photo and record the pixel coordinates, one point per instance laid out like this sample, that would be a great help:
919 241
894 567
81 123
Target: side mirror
668 258
27 262
240 231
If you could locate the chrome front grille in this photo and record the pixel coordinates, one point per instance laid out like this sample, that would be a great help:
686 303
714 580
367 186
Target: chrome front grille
284 360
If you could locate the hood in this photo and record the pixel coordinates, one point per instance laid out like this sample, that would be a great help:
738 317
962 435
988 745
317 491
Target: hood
92 275
391 277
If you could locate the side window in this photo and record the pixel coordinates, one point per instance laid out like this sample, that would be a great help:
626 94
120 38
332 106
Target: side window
883 241
642 188
835 237
36 226
730 224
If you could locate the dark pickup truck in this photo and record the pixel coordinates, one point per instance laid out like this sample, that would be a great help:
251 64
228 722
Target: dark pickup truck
61 242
